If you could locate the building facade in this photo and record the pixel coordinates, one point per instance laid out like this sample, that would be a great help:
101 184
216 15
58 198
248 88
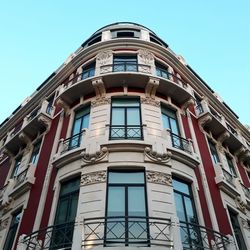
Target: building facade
124 146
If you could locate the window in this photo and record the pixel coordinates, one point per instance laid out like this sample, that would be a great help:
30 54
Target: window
12 231
125 119
34 157
65 214
231 166
125 33
17 166
50 104
81 121
126 204
190 232
214 154
125 63
88 71
161 70
237 230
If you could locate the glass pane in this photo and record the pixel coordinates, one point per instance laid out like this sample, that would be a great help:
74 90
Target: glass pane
181 187
82 112
118 116
133 116
190 211
125 102
179 207
76 127
61 216
70 186
126 177
116 201
73 207
136 201
174 126
168 112
85 121
165 121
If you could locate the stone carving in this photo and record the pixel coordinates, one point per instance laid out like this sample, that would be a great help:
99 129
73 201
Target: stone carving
97 156
45 121
151 87
93 178
150 101
241 205
204 120
245 224
4 224
99 87
189 102
159 178
100 101
159 158
146 57
24 138
63 105
104 57
225 135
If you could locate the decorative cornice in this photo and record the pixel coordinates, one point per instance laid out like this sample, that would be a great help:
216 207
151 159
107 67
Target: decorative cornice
100 101
158 158
159 178
96 157
150 101
93 178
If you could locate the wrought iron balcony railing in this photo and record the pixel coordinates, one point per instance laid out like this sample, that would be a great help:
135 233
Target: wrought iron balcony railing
194 236
130 132
20 178
124 231
181 143
53 237
228 177
71 143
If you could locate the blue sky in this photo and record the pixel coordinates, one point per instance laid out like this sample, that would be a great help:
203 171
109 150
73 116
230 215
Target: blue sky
213 36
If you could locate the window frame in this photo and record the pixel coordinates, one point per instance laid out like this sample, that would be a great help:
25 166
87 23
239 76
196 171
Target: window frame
16 167
89 69
39 142
125 61
215 160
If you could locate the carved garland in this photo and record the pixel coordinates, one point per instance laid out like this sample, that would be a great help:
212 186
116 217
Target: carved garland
94 178
159 158
150 101
93 158
159 178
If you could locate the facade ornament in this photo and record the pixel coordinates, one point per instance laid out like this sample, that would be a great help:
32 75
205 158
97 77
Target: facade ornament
225 135
63 105
241 205
24 138
155 157
245 224
4 224
45 121
146 57
96 157
151 87
204 120
159 178
150 101
104 57
99 87
189 102
93 178
100 101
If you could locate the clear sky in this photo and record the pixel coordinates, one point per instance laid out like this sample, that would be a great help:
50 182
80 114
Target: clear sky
213 36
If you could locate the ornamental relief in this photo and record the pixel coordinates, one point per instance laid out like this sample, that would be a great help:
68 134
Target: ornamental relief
93 178
100 101
146 57
156 157
150 101
159 178
4 224
95 157
104 57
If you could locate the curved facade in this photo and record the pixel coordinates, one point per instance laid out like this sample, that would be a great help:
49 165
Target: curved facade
124 146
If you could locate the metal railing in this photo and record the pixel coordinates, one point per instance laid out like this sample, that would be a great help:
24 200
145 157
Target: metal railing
124 231
88 73
53 237
181 143
229 177
194 236
20 178
71 143
131 132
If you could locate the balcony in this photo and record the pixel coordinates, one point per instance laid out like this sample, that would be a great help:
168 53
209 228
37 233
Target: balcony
128 74
126 132
226 181
121 232
23 181
37 121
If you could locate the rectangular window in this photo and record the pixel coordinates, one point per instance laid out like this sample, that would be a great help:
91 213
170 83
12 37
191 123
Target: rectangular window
125 63
231 166
35 153
189 227
237 230
125 119
17 166
161 70
12 231
50 104
214 154
88 71
65 215
81 121
126 215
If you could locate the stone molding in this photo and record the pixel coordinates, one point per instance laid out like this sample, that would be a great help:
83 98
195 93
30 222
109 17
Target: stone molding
159 178
100 101
94 178
150 101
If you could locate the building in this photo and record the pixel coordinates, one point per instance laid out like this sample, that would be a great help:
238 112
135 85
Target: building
124 145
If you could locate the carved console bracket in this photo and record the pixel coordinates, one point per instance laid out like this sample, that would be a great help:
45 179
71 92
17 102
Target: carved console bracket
189 102
99 87
45 121
159 178
24 138
96 157
93 178
151 87
204 120
156 157
63 105
225 135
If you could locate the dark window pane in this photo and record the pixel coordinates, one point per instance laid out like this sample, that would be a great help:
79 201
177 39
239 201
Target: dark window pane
126 177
